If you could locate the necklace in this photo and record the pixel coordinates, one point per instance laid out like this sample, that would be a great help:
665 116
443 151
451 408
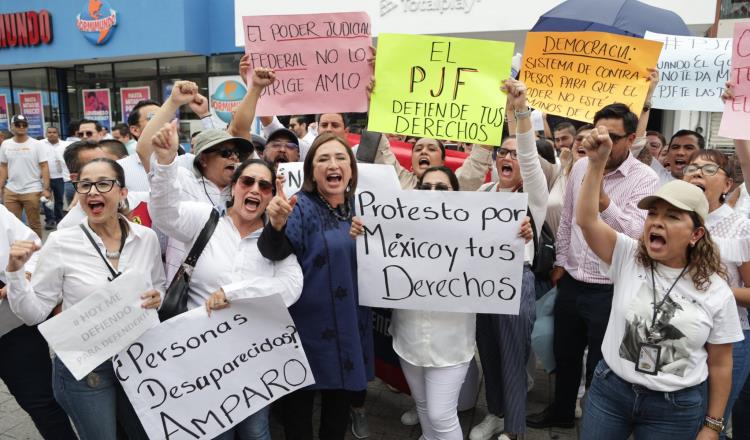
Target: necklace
344 216
123 235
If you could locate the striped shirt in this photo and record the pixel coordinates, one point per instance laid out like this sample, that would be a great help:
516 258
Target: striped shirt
625 186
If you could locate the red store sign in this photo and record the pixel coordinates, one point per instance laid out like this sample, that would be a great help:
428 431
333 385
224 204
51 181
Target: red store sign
29 28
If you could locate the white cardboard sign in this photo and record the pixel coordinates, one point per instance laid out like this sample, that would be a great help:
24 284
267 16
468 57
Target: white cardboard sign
369 176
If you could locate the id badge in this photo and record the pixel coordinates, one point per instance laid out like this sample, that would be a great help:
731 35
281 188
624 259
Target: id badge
648 359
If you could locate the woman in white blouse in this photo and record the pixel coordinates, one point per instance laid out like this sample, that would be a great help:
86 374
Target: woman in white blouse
230 267
68 270
666 370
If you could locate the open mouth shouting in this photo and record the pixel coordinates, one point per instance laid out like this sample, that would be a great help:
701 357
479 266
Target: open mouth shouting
252 203
96 206
679 164
656 241
506 170
334 178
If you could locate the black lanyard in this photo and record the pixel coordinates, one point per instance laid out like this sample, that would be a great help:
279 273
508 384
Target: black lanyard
653 291
123 236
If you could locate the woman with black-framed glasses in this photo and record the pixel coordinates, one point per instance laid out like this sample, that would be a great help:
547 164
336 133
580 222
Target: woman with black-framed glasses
230 266
73 263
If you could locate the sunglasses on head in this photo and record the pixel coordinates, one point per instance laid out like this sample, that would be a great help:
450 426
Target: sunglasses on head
85 133
264 186
434 186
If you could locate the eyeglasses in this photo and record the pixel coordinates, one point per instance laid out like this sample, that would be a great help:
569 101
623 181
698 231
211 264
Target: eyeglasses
434 186
616 137
502 152
20 125
102 186
85 133
709 169
279 145
263 185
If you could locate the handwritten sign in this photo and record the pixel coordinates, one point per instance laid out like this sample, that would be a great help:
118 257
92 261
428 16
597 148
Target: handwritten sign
320 61
692 72
441 250
439 87
195 376
574 74
734 121
369 176
99 326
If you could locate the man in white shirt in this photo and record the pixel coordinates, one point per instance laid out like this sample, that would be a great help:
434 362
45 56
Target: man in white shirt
680 151
58 175
281 146
298 125
121 132
23 164
89 130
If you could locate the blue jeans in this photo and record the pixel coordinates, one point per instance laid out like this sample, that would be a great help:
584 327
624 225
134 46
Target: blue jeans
58 187
254 427
96 403
615 409
740 371
70 192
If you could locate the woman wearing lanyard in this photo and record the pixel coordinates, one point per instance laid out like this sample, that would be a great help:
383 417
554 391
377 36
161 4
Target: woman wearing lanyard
673 318
26 368
230 266
712 171
336 332
73 263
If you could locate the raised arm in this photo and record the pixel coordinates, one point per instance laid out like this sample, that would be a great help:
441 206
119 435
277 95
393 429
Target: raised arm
473 172
640 131
178 219
600 237
242 121
182 93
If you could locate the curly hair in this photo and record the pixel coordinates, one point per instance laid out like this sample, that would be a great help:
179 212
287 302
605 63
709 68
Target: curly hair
703 258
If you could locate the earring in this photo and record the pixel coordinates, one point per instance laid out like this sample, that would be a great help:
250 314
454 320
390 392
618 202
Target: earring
121 206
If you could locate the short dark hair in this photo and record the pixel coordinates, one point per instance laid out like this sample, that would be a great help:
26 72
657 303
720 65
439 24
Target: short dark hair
301 119
440 145
122 128
308 184
443 169
135 114
565 125
681 133
585 127
659 135
90 94
620 111
71 153
53 127
73 127
546 150
97 124
114 147
119 171
344 118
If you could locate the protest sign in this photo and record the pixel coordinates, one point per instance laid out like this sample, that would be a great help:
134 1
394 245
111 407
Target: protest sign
195 376
97 106
369 176
574 74
130 96
440 87
4 122
692 72
33 108
441 250
320 61
100 325
734 121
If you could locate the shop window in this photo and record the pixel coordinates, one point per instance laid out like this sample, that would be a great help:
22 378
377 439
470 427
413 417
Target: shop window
228 64
135 69
182 65
93 72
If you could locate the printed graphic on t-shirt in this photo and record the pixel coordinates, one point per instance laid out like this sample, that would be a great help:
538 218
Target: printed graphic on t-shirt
675 321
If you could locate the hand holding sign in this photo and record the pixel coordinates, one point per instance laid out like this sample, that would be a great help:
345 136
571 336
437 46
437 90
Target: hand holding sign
165 143
653 81
151 299
598 145
20 252
217 301
280 207
357 229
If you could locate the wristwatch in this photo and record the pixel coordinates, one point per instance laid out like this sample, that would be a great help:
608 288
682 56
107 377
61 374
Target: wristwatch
714 424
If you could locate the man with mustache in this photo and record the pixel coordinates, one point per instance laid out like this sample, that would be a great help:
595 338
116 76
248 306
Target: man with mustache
281 146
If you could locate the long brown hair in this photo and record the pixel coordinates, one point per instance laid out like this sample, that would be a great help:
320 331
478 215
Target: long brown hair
308 184
703 258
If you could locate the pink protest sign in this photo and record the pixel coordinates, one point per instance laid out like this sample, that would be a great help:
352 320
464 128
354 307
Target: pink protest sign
320 61
734 121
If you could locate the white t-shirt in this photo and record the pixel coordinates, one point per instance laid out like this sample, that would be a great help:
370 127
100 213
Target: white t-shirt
687 320
24 172
55 160
664 175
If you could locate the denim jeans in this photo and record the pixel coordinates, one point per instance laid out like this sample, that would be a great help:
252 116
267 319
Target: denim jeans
254 427
615 409
740 371
70 192
96 404
52 217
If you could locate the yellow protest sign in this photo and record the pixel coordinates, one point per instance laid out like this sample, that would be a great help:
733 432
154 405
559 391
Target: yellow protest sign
574 74
440 87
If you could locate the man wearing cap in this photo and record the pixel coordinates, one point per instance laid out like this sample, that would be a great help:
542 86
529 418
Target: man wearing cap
23 163
584 295
281 146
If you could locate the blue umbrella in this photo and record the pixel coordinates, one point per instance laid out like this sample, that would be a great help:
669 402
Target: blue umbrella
624 17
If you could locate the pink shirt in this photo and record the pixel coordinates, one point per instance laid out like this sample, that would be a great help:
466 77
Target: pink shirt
626 186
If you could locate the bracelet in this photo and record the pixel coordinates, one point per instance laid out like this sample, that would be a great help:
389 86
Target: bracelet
522 115
714 424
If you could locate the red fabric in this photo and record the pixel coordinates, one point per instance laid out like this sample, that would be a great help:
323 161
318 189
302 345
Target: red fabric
140 215
392 375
